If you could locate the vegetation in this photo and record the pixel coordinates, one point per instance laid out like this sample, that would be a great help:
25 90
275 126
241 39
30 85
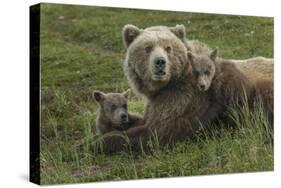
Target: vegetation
81 50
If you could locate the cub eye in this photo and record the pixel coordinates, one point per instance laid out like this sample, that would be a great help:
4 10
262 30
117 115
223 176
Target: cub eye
113 107
207 73
168 49
196 73
125 106
148 49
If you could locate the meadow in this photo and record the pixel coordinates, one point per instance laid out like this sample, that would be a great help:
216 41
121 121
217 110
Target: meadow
81 50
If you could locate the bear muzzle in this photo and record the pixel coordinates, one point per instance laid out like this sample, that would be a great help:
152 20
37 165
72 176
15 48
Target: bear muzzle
159 66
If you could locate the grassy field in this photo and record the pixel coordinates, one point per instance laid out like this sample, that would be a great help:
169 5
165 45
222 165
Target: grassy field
82 50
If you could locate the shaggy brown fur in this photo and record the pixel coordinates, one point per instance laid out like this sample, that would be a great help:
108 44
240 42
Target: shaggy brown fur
113 112
223 82
157 68
226 82
260 71
174 105
258 68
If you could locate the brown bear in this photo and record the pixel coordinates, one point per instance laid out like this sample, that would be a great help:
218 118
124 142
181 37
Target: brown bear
260 72
257 68
157 67
113 112
226 84
222 80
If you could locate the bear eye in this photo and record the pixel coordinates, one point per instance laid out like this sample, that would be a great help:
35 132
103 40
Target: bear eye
196 73
168 49
148 49
113 107
207 72
125 106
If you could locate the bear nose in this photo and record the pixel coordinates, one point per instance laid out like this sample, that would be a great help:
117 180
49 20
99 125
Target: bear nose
160 62
123 117
202 87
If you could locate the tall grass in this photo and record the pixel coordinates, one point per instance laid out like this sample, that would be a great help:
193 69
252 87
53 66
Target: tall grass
247 147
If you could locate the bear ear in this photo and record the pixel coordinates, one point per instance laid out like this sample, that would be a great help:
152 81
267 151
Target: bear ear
179 31
214 54
127 93
98 96
129 33
190 57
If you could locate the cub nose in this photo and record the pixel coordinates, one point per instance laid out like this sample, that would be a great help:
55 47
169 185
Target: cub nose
123 117
202 87
159 62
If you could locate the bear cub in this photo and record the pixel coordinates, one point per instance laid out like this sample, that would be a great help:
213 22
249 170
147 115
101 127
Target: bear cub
223 81
227 84
113 112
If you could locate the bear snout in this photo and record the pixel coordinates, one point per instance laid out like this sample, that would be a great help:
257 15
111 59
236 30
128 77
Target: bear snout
202 87
124 117
159 65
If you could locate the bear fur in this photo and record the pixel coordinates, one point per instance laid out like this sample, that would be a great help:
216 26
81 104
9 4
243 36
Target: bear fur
257 68
113 112
260 72
226 84
157 67
225 81
175 108
222 80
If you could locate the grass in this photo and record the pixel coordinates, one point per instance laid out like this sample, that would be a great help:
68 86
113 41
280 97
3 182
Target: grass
81 50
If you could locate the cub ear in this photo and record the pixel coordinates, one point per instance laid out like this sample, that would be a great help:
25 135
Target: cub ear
127 93
129 33
214 54
179 31
190 57
98 96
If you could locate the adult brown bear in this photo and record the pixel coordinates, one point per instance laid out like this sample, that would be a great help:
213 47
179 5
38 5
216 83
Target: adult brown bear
157 67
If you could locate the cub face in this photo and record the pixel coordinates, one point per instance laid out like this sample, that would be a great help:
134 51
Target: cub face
113 106
204 69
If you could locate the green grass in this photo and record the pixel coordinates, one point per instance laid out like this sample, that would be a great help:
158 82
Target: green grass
81 50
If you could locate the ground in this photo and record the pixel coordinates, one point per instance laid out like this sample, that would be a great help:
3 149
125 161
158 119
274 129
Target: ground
81 50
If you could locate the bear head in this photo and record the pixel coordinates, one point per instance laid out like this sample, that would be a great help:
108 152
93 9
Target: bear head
156 57
204 68
113 106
